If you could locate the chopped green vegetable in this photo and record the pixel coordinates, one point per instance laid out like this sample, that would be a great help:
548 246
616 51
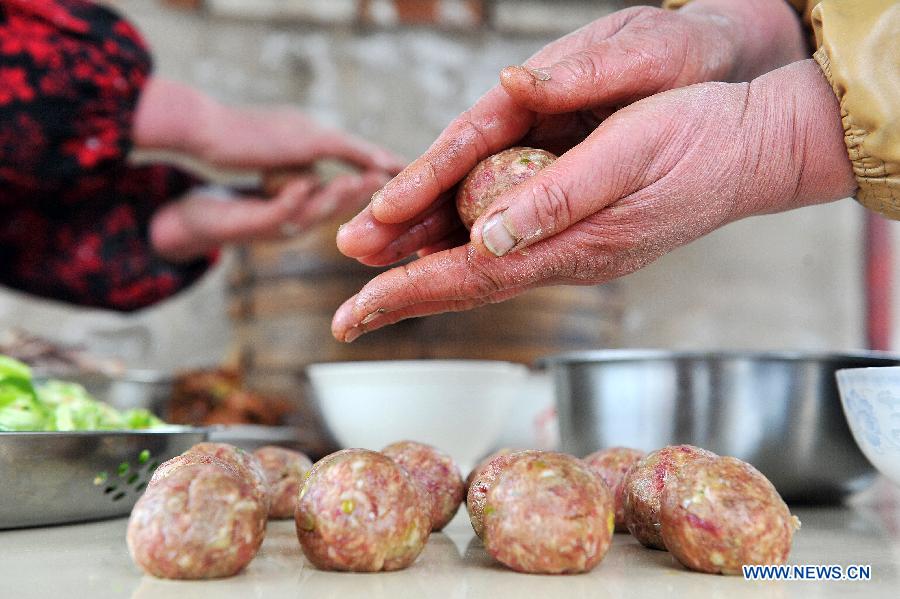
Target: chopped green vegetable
20 408
58 405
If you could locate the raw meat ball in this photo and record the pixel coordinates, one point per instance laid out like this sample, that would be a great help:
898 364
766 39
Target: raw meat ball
478 491
360 511
285 472
612 465
436 473
644 485
722 513
549 513
200 521
481 465
241 459
493 176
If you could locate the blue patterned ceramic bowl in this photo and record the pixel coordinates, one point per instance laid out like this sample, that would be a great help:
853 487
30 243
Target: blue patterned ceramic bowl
871 400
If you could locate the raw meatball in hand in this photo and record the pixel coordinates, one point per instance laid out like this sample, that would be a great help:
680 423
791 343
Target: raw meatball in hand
360 511
436 473
612 465
285 471
496 175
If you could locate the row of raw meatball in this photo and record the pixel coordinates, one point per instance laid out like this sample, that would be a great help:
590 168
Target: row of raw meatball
204 513
539 512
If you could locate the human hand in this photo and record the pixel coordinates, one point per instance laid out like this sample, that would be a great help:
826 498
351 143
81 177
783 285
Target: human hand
561 95
654 176
199 223
176 117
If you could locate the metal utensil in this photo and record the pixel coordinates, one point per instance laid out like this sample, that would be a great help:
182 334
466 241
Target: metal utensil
779 411
60 477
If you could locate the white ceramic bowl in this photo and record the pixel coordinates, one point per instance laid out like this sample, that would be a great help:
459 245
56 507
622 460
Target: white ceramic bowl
459 406
871 400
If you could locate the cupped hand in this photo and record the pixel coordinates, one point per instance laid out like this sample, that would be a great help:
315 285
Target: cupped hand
654 176
199 223
560 96
269 138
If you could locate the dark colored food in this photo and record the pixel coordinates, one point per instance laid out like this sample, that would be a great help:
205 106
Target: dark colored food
436 473
285 471
612 465
644 485
205 397
483 463
549 513
199 521
359 511
53 357
722 513
493 176
478 490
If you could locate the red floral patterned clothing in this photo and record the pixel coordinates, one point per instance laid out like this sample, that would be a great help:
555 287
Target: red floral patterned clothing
75 214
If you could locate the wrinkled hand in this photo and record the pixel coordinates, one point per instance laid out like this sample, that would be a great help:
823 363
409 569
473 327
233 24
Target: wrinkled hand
175 117
270 138
655 175
561 95
199 223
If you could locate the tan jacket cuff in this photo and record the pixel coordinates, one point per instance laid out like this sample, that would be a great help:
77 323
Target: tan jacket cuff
804 7
859 52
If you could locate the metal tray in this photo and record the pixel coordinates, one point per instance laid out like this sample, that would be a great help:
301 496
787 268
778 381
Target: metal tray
57 478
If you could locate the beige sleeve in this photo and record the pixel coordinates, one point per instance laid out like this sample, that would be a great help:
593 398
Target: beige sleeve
804 7
859 50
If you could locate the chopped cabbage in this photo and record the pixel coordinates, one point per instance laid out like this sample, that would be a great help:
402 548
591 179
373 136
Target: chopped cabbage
58 405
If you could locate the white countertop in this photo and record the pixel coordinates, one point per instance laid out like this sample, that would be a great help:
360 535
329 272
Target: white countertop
90 561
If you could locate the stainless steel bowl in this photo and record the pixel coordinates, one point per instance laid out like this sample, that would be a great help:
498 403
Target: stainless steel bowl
53 478
779 411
